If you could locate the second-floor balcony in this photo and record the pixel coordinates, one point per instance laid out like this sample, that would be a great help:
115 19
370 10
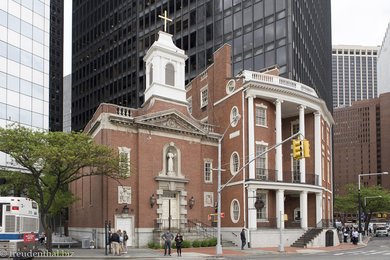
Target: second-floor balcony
270 175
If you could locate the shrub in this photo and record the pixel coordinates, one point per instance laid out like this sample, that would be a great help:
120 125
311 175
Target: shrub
204 243
196 243
154 245
186 244
213 241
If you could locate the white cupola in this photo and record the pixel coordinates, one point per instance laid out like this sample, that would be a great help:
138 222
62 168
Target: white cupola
165 74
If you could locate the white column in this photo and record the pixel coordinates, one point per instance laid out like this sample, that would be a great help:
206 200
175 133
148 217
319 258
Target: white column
317 147
251 137
252 222
279 207
302 163
318 207
278 129
303 208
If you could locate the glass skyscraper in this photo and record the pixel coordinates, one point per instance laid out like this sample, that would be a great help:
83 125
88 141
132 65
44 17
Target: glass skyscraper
110 38
24 65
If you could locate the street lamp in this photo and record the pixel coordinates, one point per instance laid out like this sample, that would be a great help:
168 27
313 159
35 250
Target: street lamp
219 244
360 203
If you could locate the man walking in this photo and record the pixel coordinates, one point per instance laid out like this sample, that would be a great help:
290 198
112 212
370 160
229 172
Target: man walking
115 240
243 239
167 237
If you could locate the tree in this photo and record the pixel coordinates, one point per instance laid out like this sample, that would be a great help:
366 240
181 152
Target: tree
51 161
377 200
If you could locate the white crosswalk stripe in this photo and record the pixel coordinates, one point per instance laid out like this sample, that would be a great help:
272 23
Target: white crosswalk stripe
362 252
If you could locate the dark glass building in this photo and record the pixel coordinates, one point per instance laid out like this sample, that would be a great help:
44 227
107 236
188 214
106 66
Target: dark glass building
110 38
56 64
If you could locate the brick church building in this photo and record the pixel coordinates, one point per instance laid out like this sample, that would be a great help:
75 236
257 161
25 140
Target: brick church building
171 145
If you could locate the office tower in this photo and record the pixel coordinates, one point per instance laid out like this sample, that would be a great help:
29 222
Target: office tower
354 74
110 39
24 66
56 64
362 142
384 64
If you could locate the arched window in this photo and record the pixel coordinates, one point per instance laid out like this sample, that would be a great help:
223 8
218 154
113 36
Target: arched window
234 163
169 74
235 211
151 74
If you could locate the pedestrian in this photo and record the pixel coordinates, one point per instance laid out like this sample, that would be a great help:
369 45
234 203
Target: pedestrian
179 241
120 241
125 238
115 242
243 239
355 236
42 238
167 237
345 234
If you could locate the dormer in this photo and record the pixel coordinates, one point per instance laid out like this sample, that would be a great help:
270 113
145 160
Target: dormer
165 74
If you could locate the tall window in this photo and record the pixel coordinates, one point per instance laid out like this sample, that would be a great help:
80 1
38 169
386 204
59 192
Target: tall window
261 162
235 211
297 215
208 174
124 161
234 163
261 214
261 115
233 116
204 96
296 168
169 74
151 74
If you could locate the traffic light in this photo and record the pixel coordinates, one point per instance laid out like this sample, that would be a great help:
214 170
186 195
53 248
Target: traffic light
306 148
297 149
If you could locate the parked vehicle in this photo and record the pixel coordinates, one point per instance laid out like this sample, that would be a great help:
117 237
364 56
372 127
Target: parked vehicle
381 231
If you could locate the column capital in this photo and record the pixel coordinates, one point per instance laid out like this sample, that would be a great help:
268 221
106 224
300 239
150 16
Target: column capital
316 113
250 96
278 101
301 107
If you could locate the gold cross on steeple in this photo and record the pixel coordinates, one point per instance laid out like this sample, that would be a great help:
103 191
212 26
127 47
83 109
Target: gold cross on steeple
166 19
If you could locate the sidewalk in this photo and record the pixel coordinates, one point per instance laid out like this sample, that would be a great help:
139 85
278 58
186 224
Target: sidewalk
201 252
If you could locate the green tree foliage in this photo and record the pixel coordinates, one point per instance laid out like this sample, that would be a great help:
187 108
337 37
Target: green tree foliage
52 160
377 200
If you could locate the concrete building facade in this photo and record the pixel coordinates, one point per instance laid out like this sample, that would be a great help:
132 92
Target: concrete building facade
354 74
384 63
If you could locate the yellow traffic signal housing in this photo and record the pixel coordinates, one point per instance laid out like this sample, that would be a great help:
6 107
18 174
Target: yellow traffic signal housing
306 148
297 149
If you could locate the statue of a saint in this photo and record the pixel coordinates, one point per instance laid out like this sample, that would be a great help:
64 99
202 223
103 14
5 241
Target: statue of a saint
170 157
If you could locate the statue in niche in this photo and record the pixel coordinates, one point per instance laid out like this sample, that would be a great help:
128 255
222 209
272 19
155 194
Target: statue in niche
171 163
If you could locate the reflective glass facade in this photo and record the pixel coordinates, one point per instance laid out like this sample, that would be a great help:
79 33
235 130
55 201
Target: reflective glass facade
24 64
110 38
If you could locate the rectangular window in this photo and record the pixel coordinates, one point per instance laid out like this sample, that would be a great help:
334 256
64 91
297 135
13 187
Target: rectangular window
124 161
261 214
208 174
296 167
261 163
204 97
261 115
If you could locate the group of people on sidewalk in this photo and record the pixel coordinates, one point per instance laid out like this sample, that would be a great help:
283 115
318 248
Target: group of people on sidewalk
168 237
351 233
118 241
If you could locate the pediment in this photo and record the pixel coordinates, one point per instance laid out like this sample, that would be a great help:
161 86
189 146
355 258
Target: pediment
172 121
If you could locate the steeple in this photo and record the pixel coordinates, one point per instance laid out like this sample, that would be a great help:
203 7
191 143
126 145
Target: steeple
165 75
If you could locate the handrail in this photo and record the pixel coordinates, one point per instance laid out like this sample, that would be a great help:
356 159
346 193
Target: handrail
202 228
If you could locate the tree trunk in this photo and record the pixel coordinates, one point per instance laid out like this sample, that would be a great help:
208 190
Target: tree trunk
48 231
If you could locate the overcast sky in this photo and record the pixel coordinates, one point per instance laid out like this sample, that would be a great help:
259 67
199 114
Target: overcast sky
354 22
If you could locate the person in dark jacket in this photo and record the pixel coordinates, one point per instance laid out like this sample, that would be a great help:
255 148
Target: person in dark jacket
167 237
243 239
115 242
179 241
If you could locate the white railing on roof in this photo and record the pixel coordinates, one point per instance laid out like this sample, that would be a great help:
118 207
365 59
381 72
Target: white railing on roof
275 80
124 111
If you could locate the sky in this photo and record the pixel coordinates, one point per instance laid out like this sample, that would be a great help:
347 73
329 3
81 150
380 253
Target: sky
354 22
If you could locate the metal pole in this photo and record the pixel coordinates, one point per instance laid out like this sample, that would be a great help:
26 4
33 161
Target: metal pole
360 212
219 245
106 238
281 246
169 218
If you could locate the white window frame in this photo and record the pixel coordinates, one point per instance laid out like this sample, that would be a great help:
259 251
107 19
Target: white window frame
208 171
234 166
208 199
296 210
261 120
235 208
233 116
264 198
261 171
125 152
204 92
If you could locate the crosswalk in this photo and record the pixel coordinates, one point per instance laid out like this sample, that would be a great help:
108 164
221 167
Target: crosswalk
363 252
